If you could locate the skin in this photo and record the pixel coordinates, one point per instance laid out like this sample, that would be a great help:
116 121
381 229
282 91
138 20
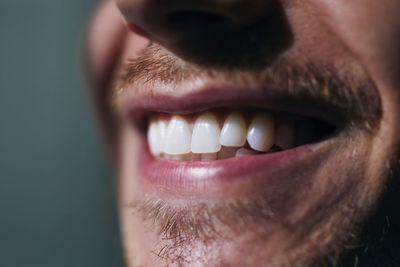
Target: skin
359 37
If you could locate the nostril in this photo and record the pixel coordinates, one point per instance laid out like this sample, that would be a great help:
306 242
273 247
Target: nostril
187 18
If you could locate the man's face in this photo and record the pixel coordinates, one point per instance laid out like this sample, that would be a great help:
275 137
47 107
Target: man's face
247 132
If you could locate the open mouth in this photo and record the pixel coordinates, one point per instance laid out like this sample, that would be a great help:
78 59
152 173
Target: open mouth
224 133
202 142
203 134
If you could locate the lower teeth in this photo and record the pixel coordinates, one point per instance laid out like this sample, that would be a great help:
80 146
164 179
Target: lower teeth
224 153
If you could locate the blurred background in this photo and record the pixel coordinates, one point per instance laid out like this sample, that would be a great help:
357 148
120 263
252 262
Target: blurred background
56 189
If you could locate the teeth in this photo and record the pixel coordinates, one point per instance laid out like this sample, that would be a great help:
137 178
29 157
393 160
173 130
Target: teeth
260 134
284 135
193 157
178 137
245 152
209 156
174 157
204 140
153 138
233 133
206 134
227 152
156 136
162 127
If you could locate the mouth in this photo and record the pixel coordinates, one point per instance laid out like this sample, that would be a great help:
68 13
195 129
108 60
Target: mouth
225 133
207 141
238 151
212 131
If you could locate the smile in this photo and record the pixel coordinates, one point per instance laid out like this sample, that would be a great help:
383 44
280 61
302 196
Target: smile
225 134
238 134
205 142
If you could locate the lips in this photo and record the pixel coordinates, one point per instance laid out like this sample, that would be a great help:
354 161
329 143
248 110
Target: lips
168 89
260 168
240 173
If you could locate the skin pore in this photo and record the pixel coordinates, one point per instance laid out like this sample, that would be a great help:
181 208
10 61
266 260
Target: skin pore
341 212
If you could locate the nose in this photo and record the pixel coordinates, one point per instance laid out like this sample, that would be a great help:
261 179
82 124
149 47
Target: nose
166 21
203 29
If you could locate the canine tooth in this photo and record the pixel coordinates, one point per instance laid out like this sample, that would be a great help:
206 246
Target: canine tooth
285 135
244 152
178 137
206 132
153 138
209 156
233 133
260 134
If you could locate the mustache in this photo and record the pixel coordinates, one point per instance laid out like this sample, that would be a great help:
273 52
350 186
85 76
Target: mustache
354 97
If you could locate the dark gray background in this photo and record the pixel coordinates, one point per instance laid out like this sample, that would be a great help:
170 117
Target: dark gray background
56 196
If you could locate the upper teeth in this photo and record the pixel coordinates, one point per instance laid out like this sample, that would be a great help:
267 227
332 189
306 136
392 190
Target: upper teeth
206 133
156 137
260 134
233 132
181 139
178 137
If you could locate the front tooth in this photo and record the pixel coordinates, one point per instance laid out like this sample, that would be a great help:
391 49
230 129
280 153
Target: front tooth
177 137
153 138
233 133
162 128
285 135
260 134
206 132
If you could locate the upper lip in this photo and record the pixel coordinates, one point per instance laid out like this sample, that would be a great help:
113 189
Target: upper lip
157 81
211 94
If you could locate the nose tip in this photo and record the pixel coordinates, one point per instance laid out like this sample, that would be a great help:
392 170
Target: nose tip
215 33
170 21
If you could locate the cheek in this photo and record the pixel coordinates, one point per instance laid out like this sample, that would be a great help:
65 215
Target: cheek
107 43
370 30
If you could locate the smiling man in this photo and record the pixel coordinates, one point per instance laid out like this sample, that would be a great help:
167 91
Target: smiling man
252 132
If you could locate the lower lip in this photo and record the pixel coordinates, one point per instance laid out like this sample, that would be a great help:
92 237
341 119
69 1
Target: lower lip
203 178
